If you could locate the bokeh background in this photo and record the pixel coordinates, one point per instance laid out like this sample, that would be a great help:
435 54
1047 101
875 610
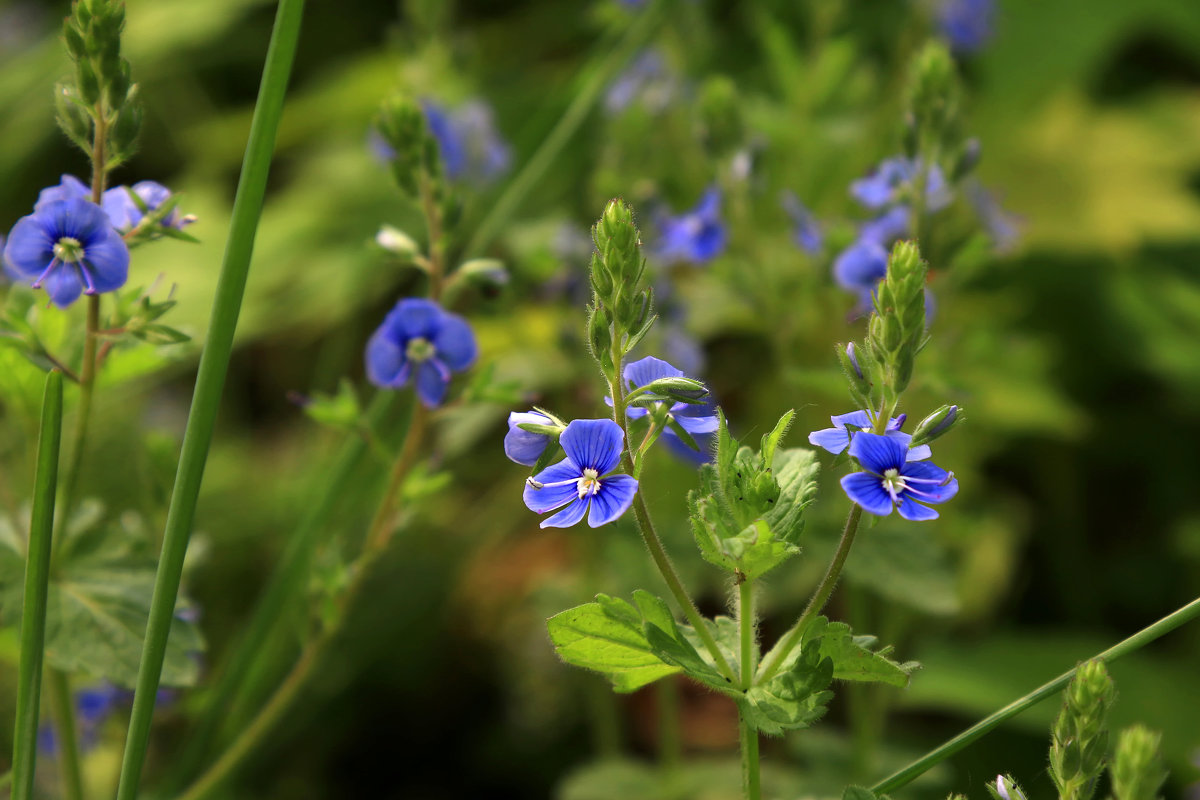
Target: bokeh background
1075 349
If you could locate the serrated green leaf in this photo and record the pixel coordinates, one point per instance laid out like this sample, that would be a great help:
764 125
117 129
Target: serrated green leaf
606 637
676 644
793 699
852 658
796 471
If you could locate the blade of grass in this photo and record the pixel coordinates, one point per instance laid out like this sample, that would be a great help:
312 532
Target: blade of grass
941 753
210 380
37 581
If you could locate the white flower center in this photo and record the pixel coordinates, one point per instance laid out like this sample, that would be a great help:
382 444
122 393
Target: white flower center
68 250
419 349
589 484
893 483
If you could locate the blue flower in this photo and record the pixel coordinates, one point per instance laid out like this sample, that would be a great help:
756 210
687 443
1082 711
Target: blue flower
68 188
697 235
70 247
647 81
966 24
837 438
893 224
695 418
892 181
470 146
1003 228
418 336
526 447
859 268
124 213
583 479
890 480
807 231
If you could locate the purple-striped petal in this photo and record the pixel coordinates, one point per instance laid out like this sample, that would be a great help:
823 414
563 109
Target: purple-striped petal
914 511
867 490
568 516
877 453
549 497
614 498
649 369
835 440
593 444
935 484
107 260
859 419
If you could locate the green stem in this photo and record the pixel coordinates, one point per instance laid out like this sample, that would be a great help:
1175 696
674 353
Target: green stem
63 712
751 781
37 581
231 687
210 380
941 753
572 119
380 532
670 738
654 544
778 655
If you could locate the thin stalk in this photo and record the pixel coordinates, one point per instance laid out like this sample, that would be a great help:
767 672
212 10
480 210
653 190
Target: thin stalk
230 690
210 380
654 544
751 780
63 712
383 524
781 651
670 737
37 582
573 117
1135 642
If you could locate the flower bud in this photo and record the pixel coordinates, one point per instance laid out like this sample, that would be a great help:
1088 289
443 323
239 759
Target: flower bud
529 433
487 273
74 40
1137 770
859 385
1005 788
1079 738
87 82
397 241
936 424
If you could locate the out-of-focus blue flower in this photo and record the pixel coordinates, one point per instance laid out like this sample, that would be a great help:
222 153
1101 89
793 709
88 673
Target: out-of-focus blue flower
582 480
966 24
697 235
845 426
890 480
889 226
124 213
522 446
68 188
70 247
683 348
892 182
1003 228
417 336
695 418
702 456
859 268
807 231
470 146
647 82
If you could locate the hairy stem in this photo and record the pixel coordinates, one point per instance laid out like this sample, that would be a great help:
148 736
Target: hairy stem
751 781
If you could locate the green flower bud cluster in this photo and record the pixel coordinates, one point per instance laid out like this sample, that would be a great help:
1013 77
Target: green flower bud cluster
1137 771
933 122
100 104
622 308
721 115
414 152
1079 738
897 328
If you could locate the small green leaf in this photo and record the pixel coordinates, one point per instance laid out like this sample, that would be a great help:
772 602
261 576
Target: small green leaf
796 471
793 699
852 658
606 637
341 410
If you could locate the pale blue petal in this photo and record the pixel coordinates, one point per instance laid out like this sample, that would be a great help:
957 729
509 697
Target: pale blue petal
63 285
859 419
549 498
835 440
568 516
648 370
915 512
695 424
867 490
593 444
614 498
522 446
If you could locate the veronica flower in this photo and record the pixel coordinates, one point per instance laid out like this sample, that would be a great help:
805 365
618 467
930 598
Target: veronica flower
695 418
859 268
894 177
890 480
845 426
124 213
806 228
526 447
468 141
893 224
69 247
69 188
697 235
647 81
584 479
417 336
966 24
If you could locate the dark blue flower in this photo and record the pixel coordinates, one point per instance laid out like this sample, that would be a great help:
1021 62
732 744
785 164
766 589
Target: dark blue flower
417 336
69 247
124 213
859 268
890 480
695 418
526 447
807 231
470 145
892 181
647 81
697 235
837 438
966 24
583 479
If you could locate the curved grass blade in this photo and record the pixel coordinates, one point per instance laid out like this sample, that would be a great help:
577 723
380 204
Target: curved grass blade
37 581
210 380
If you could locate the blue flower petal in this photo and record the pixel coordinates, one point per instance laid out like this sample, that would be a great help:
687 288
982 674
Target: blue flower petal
914 511
709 243
835 440
702 456
413 317
867 490
920 452
877 453
885 229
614 498
107 259
386 361
63 285
455 342
123 213
29 249
649 369
942 486
549 498
432 383
70 188
593 444
568 516
859 419
860 267
521 445
694 424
